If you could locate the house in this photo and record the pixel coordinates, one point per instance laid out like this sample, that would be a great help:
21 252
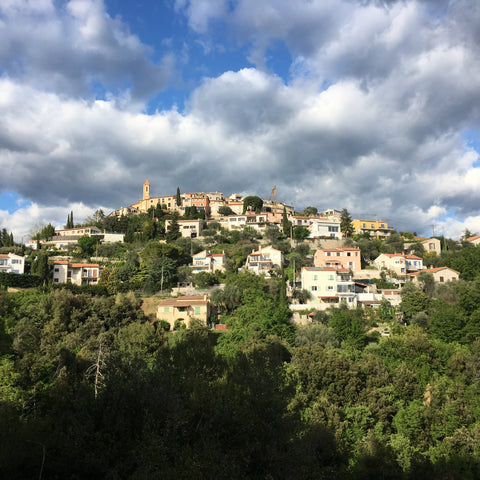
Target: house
318 226
183 310
188 228
329 285
398 263
12 263
376 228
264 260
70 236
205 261
344 257
430 245
76 273
440 274
257 221
475 240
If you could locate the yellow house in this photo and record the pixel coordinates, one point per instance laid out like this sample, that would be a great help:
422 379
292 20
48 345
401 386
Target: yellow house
376 228
184 310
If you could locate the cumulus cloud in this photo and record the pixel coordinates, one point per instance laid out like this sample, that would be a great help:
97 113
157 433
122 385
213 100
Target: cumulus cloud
70 47
372 117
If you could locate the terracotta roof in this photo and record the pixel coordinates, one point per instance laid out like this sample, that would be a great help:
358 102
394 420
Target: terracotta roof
325 269
434 270
338 249
471 239
184 301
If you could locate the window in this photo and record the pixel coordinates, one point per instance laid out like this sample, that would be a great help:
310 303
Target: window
328 254
382 225
331 277
364 225
442 279
314 288
372 225
57 270
349 254
55 280
197 310
315 277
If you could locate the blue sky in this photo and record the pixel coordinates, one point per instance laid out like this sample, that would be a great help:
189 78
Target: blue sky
371 105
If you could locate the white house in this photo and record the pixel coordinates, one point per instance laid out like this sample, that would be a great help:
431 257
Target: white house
264 260
318 226
205 261
329 285
188 228
76 273
12 263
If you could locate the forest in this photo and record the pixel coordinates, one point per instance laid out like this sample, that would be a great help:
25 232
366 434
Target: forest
92 387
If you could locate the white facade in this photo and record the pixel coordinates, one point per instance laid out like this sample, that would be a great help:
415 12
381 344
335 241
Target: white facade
12 263
76 273
329 285
398 263
208 262
188 228
264 260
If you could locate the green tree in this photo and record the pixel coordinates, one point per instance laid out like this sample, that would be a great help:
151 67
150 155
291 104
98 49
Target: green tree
224 210
40 267
300 233
173 230
309 211
346 225
286 224
87 244
178 198
256 203
348 326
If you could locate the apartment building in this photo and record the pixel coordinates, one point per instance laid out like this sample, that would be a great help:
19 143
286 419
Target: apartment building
376 228
329 285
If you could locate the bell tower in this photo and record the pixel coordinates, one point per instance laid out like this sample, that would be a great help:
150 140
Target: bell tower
146 190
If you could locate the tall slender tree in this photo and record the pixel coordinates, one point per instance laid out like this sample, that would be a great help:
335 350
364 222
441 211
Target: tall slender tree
179 198
346 225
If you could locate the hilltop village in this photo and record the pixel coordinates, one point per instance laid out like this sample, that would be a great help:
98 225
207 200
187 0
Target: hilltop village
327 259
202 336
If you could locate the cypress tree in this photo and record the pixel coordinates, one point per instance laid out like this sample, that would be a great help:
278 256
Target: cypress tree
179 198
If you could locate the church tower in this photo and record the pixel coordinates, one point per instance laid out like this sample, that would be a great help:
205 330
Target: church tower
146 190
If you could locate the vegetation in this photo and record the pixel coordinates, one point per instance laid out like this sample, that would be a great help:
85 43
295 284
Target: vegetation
92 387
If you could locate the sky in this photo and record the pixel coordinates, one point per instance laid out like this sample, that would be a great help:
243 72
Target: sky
369 105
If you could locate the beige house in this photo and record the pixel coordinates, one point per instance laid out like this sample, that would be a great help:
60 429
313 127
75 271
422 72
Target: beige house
475 240
398 263
76 273
264 260
345 257
429 244
440 274
184 310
